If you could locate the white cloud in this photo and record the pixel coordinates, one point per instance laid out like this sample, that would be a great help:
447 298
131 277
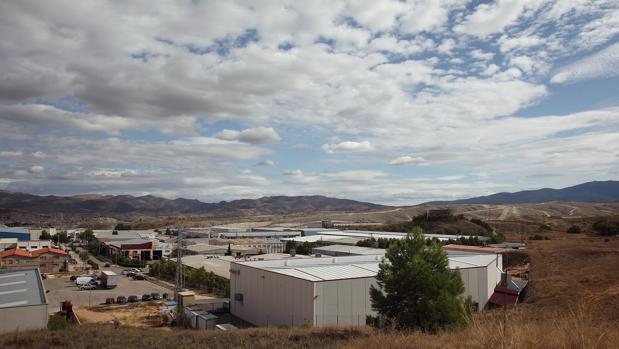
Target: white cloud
348 146
11 154
258 135
604 63
407 159
37 169
492 18
266 162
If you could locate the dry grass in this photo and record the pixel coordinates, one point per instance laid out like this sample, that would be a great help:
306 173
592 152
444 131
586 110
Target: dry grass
575 328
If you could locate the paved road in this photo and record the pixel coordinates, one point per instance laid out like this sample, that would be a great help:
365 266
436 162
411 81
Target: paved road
62 288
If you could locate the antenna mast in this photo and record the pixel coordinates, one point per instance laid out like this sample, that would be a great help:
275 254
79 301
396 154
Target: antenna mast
178 287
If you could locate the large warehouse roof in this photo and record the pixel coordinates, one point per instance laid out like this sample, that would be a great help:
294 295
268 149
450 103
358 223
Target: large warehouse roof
21 287
366 234
349 267
348 250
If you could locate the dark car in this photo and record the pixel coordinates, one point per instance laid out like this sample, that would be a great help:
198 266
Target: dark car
110 300
107 265
147 298
138 277
121 300
155 296
132 299
130 274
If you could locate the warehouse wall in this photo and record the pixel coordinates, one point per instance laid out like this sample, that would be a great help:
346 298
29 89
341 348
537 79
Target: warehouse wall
270 299
32 317
342 302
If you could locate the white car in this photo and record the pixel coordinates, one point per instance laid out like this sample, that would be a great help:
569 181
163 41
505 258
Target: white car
88 287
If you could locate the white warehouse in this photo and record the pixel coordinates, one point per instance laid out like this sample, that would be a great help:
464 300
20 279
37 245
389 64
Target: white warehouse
334 290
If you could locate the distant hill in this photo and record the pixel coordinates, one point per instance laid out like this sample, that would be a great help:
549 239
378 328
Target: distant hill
123 205
597 191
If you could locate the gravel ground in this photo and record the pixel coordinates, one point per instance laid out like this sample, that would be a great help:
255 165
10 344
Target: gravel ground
62 288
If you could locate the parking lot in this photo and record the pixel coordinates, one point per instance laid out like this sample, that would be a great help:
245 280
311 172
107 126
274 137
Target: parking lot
61 288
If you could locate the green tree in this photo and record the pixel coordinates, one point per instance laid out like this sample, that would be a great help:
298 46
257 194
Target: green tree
416 289
45 235
60 237
88 235
574 229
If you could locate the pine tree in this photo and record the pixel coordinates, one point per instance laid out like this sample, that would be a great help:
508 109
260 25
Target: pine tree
416 289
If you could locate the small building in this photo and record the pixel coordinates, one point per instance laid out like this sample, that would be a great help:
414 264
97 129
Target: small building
48 260
32 245
332 291
140 249
199 319
8 244
23 303
207 249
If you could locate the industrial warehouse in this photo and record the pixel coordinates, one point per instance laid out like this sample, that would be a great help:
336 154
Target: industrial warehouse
335 290
23 300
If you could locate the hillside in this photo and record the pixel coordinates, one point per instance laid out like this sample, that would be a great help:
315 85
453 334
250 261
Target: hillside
597 191
124 205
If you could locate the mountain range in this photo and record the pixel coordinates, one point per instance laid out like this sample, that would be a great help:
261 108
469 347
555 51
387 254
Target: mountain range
110 205
127 205
596 191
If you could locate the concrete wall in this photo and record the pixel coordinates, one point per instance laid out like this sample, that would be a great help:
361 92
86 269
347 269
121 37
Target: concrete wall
342 302
479 282
270 299
32 317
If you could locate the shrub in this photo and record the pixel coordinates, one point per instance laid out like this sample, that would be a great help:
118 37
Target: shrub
539 237
92 264
545 227
607 228
57 322
574 229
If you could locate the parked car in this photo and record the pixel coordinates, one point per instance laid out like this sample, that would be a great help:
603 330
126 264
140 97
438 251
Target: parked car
121 300
147 298
139 277
130 274
110 300
155 296
107 265
137 270
132 299
73 277
88 286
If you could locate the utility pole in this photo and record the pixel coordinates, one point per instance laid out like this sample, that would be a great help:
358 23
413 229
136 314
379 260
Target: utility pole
178 287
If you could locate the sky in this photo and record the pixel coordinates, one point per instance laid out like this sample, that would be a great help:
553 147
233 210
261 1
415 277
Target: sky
393 102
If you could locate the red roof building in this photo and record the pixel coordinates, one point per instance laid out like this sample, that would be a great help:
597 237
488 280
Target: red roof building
48 260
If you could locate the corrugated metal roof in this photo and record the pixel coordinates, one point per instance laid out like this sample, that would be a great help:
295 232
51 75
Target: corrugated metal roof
21 287
352 250
350 267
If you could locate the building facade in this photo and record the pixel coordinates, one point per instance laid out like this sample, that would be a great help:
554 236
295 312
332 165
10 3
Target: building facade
23 305
48 260
332 291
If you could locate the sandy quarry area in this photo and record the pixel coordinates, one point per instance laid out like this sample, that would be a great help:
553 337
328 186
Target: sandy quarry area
136 315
